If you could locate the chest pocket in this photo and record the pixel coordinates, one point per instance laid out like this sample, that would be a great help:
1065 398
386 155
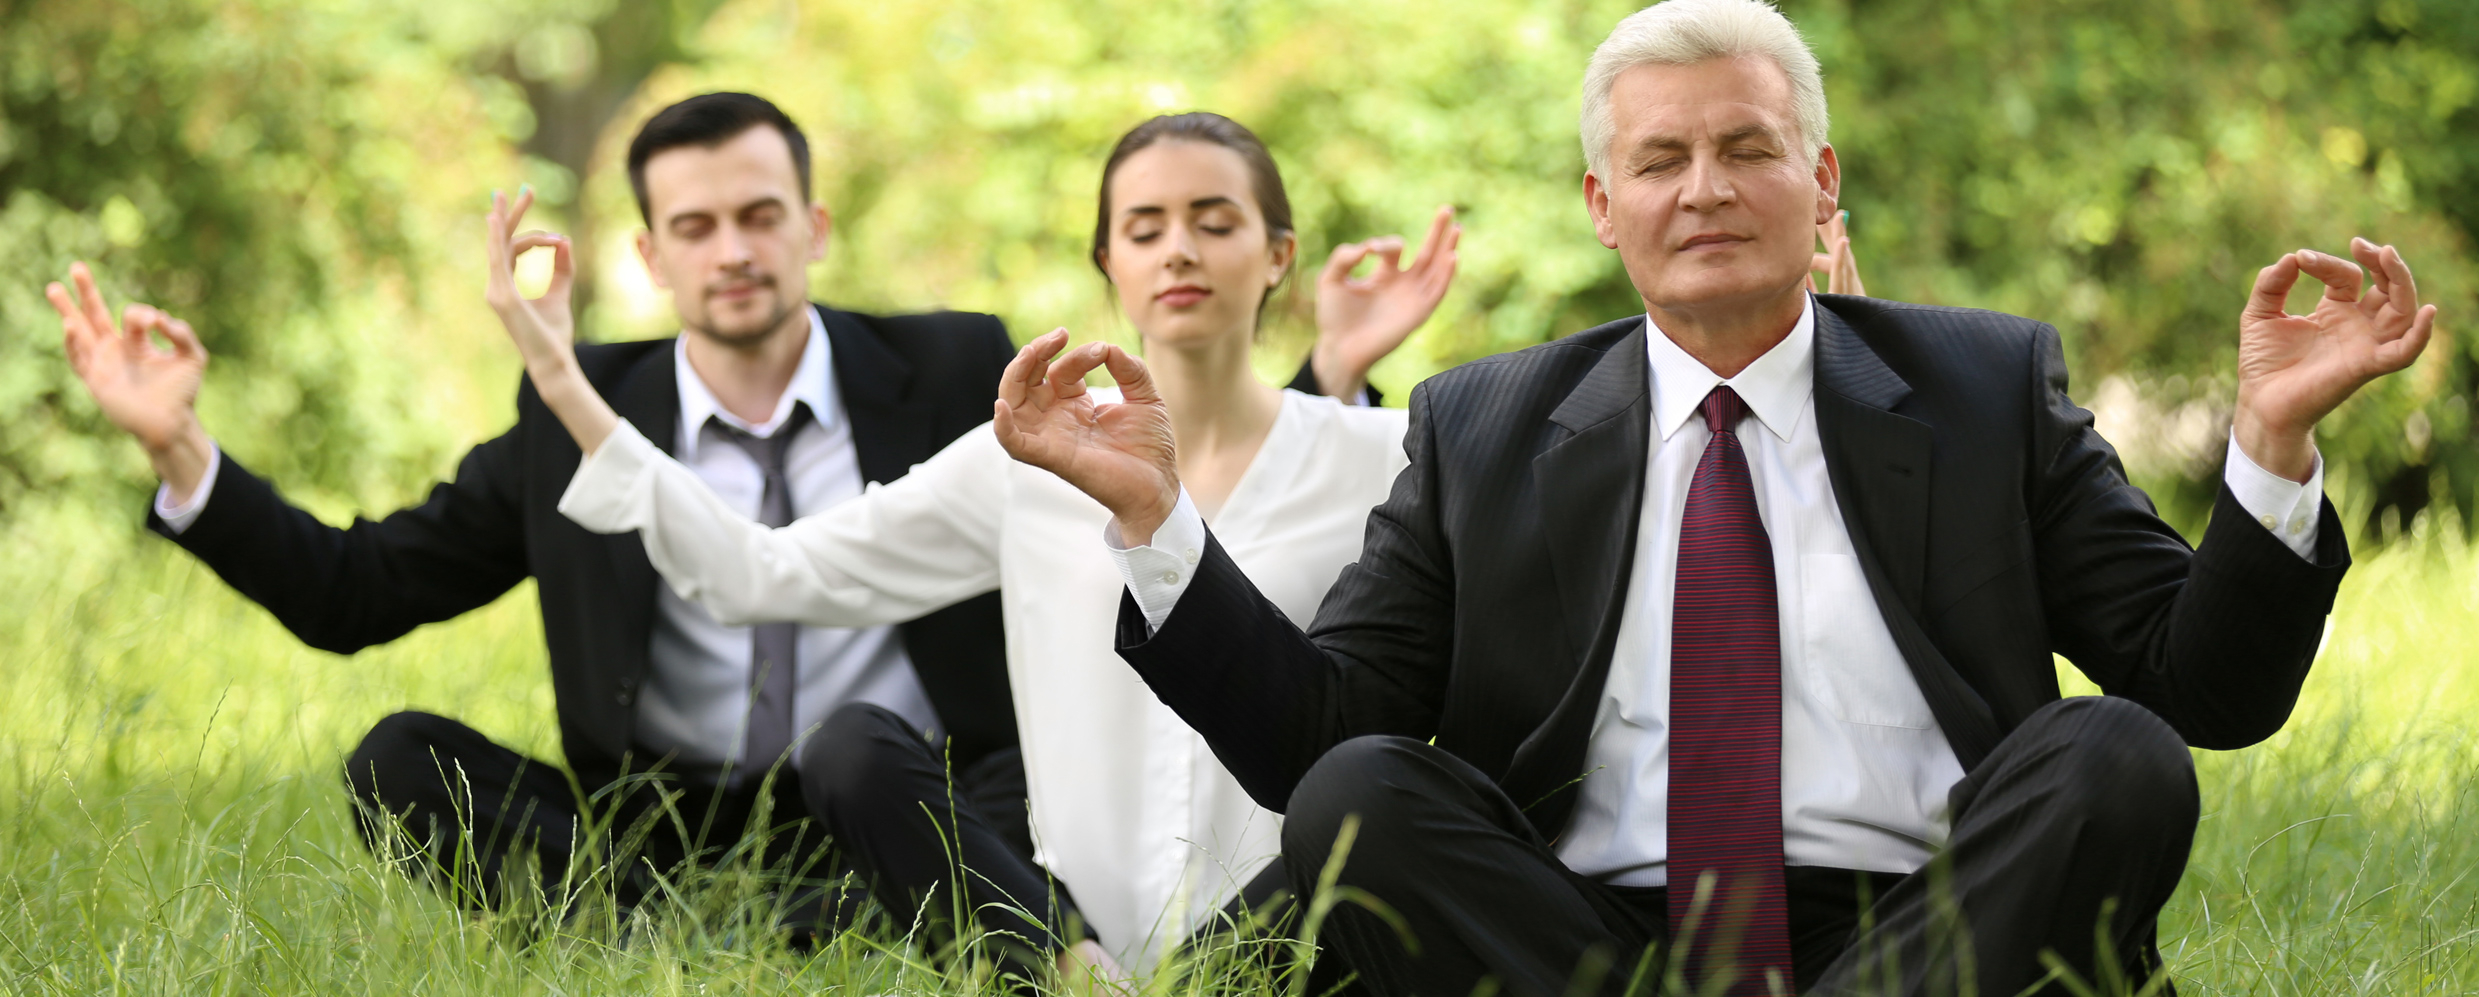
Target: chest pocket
1847 656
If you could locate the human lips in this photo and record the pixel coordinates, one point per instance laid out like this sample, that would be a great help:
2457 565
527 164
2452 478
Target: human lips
1183 295
741 290
1711 240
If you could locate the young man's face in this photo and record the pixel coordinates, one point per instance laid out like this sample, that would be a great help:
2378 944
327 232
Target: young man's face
732 235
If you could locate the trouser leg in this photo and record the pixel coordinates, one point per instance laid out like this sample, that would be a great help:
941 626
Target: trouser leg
1478 891
2089 806
914 832
458 807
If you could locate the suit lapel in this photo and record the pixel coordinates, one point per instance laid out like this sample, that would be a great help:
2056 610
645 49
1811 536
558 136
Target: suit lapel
1592 496
890 428
1879 463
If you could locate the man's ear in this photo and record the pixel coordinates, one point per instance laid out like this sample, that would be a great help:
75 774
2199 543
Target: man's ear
821 223
645 254
1828 184
1597 203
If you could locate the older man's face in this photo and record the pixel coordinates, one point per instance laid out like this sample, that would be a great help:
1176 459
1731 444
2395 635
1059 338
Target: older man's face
1711 203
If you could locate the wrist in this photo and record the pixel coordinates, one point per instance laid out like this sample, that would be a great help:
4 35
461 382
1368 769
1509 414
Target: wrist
1136 529
1336 377
2287 451
180 459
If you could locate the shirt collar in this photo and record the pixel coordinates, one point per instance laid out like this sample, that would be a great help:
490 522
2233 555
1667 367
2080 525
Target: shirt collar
810 384
1776 387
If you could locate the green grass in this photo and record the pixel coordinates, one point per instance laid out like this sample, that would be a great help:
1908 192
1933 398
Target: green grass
172 819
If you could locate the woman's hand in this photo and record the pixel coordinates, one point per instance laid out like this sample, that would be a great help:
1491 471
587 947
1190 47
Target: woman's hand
1361 320
543 328
1122 455
1841 269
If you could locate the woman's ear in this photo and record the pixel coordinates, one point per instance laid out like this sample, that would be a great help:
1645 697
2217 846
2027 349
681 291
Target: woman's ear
1284 251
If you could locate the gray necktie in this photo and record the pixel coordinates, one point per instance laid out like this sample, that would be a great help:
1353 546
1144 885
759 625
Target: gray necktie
774 648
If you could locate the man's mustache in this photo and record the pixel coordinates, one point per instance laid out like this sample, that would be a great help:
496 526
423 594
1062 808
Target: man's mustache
746 282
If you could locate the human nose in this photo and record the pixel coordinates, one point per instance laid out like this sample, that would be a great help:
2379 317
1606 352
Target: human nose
1707 185
1182 254
734 245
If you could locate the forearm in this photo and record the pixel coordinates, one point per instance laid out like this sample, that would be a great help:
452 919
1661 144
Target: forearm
581 409
182 460
884 557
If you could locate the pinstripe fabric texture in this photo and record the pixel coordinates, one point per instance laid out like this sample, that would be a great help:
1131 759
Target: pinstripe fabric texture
1726 721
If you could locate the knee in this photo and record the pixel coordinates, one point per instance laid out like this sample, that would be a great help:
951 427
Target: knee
2125 767
1365 781
397 748
854 756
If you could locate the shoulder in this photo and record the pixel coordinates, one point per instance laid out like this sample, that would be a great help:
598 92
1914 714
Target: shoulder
605 364
1356 428
1932 339
943 327
1517 383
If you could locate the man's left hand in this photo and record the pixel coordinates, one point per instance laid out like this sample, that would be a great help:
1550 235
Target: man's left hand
2293 370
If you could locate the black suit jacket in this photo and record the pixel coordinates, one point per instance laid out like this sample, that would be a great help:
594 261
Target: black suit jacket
1993 524
909 384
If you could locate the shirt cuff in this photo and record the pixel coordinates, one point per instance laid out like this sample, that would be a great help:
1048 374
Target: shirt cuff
2292 511
602 496
1157 573
178 518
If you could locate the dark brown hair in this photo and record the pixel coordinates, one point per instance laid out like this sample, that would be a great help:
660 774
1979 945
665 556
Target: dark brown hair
1265 180
709 120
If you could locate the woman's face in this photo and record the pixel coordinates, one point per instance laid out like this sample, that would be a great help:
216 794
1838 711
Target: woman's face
1189 252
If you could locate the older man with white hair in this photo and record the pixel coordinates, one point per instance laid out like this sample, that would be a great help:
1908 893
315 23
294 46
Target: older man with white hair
1717 640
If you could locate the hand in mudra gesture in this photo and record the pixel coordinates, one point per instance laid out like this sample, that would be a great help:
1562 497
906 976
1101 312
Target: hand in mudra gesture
1121 454
149 391
1361 320
2293 370
544 329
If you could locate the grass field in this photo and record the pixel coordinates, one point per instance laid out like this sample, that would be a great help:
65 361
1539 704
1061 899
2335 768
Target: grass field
172 820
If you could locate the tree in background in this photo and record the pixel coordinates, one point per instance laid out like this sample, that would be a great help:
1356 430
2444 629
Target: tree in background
304 177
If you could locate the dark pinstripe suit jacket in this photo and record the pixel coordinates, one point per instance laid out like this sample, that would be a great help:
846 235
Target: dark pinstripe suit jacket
1994 525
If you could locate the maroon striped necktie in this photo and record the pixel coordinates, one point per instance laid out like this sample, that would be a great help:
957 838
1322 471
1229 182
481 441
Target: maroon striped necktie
1726 722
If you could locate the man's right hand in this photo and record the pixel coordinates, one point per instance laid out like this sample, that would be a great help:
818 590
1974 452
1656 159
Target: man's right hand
1122 455
150 392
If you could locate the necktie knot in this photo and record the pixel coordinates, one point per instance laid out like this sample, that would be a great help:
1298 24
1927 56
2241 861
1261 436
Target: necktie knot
1723 408
768 451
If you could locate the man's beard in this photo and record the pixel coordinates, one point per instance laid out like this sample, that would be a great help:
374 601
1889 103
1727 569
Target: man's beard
750 337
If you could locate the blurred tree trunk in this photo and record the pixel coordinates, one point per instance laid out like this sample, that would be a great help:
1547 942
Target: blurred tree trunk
576 77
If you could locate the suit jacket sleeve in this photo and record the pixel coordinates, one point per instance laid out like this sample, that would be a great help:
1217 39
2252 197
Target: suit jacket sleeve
342 590
2216 640
1305 382
1271 698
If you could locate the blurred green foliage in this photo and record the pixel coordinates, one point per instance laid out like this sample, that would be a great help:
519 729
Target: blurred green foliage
304 177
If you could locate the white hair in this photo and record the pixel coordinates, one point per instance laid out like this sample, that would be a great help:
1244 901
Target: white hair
1680 32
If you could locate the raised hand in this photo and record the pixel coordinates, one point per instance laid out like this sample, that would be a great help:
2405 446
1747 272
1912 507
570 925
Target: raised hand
149 391
1361 320
543 328
1840 267
1122 454
2293 370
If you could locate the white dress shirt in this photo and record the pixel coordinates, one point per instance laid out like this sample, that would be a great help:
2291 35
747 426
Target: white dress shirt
1129 806
1865 769
696 701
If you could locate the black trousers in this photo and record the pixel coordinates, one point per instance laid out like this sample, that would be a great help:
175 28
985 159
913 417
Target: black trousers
2087 810
884 795
471 807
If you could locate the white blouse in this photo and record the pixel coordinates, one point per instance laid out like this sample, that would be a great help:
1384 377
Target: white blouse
1129 807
